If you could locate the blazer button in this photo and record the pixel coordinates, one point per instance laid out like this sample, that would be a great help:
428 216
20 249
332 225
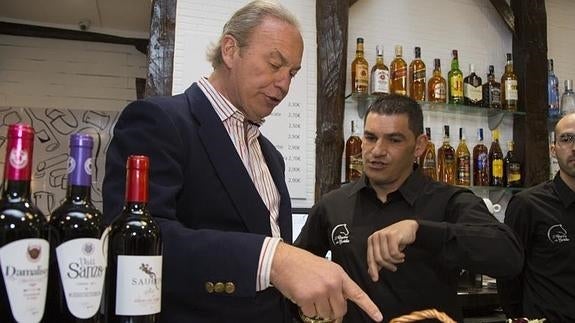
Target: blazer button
219 287
209 287
230 288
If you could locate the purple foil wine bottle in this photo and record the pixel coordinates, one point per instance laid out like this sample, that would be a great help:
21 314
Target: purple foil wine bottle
24 248
77 267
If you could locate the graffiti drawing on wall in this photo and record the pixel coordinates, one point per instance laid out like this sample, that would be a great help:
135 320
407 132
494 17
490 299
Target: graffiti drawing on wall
53 128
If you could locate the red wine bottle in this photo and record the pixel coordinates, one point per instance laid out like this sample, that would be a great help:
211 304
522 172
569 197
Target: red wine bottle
24 248
77 265
134 276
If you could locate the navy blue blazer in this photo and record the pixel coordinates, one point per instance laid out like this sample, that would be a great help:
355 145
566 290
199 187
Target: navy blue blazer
213 220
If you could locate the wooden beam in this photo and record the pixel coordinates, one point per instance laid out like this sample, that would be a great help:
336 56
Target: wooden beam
505 12
15 29
331 22
530 64
161 48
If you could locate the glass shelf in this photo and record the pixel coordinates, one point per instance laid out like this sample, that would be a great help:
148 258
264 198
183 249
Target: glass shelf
362 101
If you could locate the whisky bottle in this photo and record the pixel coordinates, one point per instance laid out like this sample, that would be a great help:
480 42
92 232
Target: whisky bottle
568 98
427 160
552 91
512 169
455 80
480 161
353 159
379 82
495 161
398 73
359 70
446 160
417 77
463 161
491 91
437 86
509 87
472 90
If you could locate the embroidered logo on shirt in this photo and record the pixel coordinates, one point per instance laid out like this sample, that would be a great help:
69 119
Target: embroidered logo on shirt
340 234
557 234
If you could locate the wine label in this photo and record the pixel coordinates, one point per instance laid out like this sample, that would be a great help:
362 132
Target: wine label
24 265
497 168
473 93
439 91
380 81
361 78
511 90
456 86
355 166
138 285
82 270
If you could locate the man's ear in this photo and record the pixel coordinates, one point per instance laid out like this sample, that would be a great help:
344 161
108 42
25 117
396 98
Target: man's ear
229 48
552 150
420 145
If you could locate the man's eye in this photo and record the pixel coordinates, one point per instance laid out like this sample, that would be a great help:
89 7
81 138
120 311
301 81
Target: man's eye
567 138
275 66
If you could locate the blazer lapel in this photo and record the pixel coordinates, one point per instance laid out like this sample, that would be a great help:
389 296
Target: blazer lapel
228 165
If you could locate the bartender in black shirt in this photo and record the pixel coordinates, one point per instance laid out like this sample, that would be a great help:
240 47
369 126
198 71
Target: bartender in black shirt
544 219
400 235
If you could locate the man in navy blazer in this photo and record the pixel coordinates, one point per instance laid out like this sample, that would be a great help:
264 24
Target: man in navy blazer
217 186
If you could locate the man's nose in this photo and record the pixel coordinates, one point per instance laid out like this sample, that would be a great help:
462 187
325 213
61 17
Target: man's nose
283 81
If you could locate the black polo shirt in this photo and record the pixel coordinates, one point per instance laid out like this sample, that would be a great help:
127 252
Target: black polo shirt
543 218
455 231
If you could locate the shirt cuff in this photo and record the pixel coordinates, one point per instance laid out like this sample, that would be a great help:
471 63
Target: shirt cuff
265 264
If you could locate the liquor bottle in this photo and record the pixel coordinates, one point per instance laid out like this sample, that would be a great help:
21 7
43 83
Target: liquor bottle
446 160
509 87
495 161
417 77
472 90
359 70
24 249
512 168
398 73
463 161
480 161
437 86
134 254
455 80
491 91
379 82
353 159
568 98
427 160
552 91
78 265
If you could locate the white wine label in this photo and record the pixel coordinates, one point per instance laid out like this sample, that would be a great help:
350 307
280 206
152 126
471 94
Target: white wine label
139 285
24 265
511 90
82 270
473 93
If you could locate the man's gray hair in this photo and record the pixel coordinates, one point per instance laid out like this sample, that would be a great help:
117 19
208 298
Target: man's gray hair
243 22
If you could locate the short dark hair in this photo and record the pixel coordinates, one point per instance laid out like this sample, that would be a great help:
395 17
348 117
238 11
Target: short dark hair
390 104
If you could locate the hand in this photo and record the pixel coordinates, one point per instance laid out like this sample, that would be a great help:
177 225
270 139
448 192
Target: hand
385 247
318 286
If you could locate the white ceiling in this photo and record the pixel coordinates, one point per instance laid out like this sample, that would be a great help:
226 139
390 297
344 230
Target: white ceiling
130 18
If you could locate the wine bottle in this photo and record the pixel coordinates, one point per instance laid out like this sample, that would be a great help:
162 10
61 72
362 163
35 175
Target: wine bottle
134 254
353 159
446 163
480 161
78 265
495 161
463 176
24 248
428 160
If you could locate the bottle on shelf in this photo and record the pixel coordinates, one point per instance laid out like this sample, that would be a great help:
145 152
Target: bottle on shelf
359 70
455 80
463 161
495 161
134 254
480 161
427 160
398 73
379 82
353 159
552 91
512 168
472 90
437 86
509 90
78 265
24 248
446 163
491 91
568 98
417 77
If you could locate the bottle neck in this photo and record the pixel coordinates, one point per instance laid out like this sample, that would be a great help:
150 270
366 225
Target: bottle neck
359 50
78 193
16 190
455 64
509 67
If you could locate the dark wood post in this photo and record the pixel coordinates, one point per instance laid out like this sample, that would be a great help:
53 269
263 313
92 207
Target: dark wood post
331 21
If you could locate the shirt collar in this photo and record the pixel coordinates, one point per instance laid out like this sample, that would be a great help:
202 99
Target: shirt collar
566 195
